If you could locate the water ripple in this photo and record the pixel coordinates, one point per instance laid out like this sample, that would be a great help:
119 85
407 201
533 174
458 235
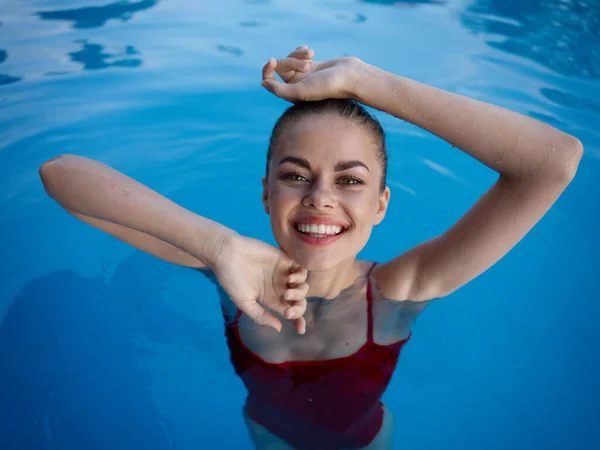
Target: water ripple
564 37
235 51
352 18
408 3
97 16
93 58
4 78
571 100
249 24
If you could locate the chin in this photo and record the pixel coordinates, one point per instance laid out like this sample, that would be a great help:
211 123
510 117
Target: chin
318 260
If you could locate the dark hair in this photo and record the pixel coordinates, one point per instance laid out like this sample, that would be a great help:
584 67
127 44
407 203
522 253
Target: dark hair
349 109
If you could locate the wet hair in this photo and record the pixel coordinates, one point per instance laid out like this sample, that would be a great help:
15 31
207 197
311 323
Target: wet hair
349 109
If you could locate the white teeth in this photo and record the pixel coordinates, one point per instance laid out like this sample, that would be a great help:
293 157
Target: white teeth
320 230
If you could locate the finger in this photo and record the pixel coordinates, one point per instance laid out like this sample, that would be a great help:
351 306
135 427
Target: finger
295 294
300 325
291 92
297 277
296 309
294 279
302 47
289 309
297 268
292 266
302 53
287 68
268 72
291 64
260 315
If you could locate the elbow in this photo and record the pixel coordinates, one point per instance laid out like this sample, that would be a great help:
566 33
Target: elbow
571 152
48 167
576 148
56 160
45 173
48 171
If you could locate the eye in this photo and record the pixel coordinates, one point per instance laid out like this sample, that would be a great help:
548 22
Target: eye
294 176
350 180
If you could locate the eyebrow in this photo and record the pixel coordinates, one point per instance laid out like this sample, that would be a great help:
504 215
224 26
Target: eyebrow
339 167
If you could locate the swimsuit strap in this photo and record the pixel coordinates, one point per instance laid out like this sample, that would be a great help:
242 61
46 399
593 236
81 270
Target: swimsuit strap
370 337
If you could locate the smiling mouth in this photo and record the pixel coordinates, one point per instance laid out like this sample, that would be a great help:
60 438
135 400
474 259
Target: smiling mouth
319 231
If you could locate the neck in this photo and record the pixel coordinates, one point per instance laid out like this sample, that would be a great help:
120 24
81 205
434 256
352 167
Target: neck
329 283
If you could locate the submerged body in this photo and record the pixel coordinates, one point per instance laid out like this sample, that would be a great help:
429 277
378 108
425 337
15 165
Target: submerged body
323 389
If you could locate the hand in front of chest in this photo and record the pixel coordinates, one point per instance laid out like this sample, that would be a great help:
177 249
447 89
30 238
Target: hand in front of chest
260 278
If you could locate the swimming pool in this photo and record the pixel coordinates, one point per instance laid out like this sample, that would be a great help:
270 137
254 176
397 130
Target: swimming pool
104 347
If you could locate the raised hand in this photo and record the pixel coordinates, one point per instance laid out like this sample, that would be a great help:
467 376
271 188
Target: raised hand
295 66
260 278
306 79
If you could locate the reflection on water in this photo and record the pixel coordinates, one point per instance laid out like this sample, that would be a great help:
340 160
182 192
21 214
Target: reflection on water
571 100
97 16
6 79
564 36
92 57
77 379
550 120
405 2
235 51
249 24
355 18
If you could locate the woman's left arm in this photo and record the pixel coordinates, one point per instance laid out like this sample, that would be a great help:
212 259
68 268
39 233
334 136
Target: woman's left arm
535 162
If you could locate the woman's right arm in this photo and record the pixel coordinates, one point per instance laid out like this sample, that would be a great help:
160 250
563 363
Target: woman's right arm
128 210
253 273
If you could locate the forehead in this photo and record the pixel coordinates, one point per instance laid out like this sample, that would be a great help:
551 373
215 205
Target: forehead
327 139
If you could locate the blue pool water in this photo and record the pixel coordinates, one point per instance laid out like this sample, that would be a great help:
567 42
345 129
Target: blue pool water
104 347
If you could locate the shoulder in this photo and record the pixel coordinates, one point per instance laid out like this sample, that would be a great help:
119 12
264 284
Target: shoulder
393 317
398 279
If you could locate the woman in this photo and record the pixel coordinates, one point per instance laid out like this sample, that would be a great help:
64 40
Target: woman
314 333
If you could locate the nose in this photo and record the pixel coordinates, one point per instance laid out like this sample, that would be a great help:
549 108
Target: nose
320 196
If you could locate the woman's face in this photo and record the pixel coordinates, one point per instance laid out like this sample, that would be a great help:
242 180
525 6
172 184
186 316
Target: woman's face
322 191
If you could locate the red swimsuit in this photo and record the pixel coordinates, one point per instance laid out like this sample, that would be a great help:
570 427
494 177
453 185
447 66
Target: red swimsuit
328 404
